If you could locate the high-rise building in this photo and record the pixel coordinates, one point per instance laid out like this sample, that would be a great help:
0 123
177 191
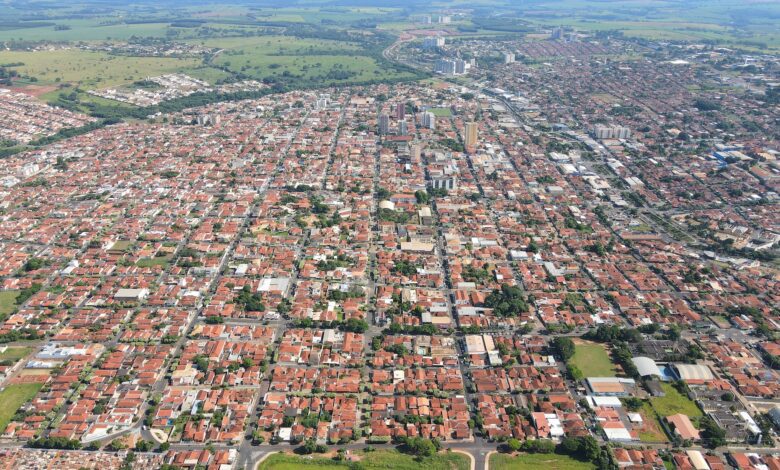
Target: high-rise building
460 67
429 120
445 19
403 128
444 66
433 42
471 134
611 132
400 110
384 124
509 57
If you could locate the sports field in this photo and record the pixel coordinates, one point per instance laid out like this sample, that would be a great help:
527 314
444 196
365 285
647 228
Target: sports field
592 359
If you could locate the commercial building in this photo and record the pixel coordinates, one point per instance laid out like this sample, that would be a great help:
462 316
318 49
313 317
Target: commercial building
429 120
384 124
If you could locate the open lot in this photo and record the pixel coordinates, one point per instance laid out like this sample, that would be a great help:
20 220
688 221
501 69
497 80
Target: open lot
14 354
674 402
537 461
651 429
7 302
369 461
14 396
592 359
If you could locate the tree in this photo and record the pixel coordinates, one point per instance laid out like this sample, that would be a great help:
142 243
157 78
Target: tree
513 445
565 347
538 446
143 445
354 325
421 447
712 435
116 445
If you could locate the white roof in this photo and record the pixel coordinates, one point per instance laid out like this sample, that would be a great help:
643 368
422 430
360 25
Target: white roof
617 434
694 372
646 366
610 402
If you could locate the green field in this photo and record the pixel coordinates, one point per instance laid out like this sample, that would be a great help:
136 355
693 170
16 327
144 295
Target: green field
673 403
91 70
369 461
441 112
157 261
652 432
593 360
14 396
694 21
14 354
537 461
319 61
7 302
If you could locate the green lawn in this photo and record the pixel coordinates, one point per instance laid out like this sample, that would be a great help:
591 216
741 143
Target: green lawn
14 396
593 360
384 459
7 302
14 354
441 112
537 461
151 262
674 402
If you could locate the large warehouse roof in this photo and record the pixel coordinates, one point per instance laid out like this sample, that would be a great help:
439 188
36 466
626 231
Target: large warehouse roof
646 366
693 372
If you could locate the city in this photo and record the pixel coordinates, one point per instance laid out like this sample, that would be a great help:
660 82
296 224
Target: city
550 249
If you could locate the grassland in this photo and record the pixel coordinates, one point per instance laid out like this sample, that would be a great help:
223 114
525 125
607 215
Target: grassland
673 403
727 22
157 261
592 359
280 57
537 461
7 302
13 397
369 461
91 70
14 354
651 430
